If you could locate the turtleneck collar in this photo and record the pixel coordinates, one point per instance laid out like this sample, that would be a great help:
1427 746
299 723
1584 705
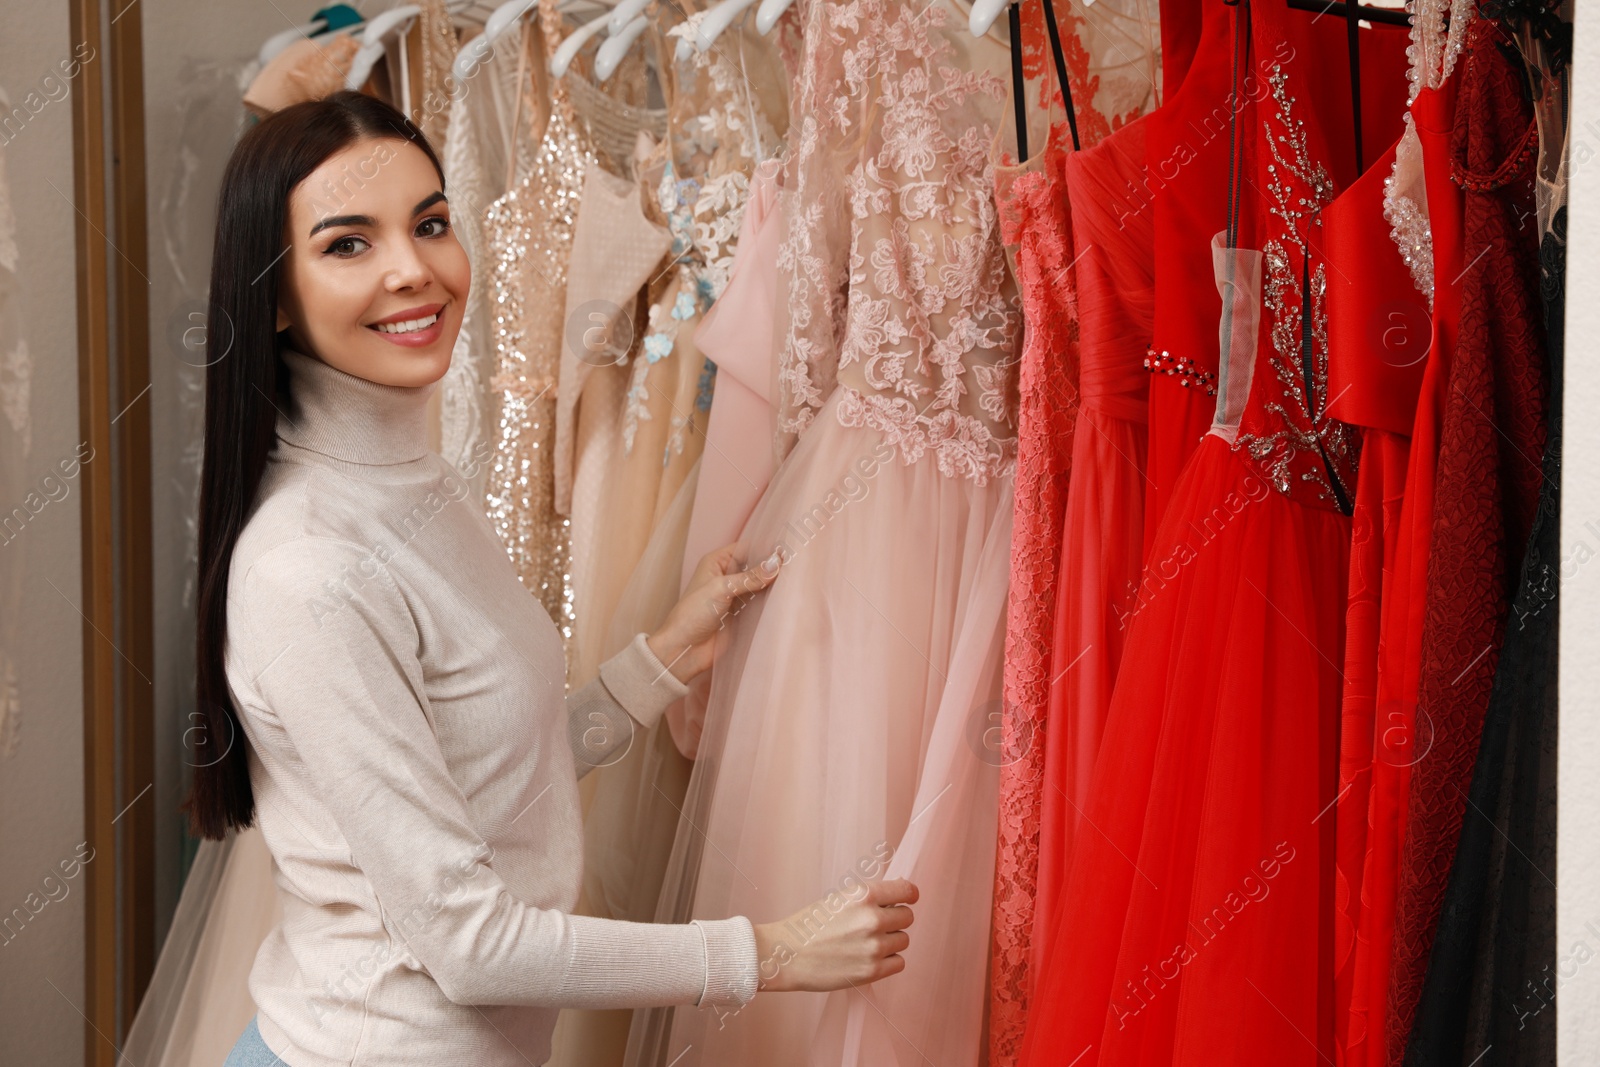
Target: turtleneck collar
350 418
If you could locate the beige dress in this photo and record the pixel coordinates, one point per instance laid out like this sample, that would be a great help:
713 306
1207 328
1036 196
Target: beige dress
638 391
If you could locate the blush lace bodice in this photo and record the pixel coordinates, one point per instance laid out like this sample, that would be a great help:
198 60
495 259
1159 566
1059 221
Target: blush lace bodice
896 284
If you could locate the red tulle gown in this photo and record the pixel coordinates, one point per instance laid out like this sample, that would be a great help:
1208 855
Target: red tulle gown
1379 329
1185 186
1102 549
1377 757
1491 436
1195 926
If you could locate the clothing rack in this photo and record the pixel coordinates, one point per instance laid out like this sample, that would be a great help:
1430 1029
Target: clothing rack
1338 9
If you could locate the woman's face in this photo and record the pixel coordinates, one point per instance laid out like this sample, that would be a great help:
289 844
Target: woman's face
374 280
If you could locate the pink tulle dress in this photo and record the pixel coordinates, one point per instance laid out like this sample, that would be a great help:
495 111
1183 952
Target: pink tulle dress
843 738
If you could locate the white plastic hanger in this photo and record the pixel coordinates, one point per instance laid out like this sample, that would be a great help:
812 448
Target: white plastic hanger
624 13
572 45
716 20
379 29
984 14
768 14
478 49
504 17
609 57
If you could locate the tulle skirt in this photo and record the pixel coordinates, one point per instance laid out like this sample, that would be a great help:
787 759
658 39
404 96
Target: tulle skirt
1195 925
198 1000
1101 556
849 737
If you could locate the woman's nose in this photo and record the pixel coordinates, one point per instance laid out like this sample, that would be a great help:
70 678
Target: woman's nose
406 269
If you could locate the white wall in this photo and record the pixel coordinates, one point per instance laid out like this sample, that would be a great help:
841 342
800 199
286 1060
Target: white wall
1578 838
41 763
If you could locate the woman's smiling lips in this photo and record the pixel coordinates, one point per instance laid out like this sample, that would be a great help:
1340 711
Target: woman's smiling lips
415 327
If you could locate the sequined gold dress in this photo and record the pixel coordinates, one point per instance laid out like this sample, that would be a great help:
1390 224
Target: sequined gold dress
528 239
487 150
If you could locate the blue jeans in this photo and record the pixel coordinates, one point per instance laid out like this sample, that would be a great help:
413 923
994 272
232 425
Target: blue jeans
251 1051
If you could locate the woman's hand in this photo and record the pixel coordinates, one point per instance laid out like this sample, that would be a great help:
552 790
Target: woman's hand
685 642
820 948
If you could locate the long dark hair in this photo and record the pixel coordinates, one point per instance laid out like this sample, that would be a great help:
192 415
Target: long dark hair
246 382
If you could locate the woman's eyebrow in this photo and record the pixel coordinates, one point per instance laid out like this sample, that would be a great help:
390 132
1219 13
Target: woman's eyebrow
367 220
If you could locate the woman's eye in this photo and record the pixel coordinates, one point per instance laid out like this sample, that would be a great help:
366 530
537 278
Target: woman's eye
436 226
347 246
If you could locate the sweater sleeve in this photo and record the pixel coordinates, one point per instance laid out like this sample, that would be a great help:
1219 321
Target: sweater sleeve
341 676
632 692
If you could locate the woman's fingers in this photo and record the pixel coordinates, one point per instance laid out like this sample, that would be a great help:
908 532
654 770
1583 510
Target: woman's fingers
718 562
757 578
892 891
896 917
894 943
889 965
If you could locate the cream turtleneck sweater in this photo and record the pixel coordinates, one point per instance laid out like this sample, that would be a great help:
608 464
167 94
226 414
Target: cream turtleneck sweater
415 760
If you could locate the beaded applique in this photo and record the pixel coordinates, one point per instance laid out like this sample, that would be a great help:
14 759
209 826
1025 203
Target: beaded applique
1184 368
703 213
1293 441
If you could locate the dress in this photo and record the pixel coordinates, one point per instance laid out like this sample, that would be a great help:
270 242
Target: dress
1380 336
1102 530
1486 492
1185 189
654 399
1194 925
1379 327
528 239
840 740
737 334
1036 221
486 152
632 530
1495 946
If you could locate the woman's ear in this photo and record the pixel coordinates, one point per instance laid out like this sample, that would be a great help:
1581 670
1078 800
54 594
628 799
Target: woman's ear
283 319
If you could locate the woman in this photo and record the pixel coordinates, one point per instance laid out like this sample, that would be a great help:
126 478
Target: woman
380 691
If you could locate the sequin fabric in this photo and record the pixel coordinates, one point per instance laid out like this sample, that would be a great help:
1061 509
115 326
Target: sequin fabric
528 234
439 46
